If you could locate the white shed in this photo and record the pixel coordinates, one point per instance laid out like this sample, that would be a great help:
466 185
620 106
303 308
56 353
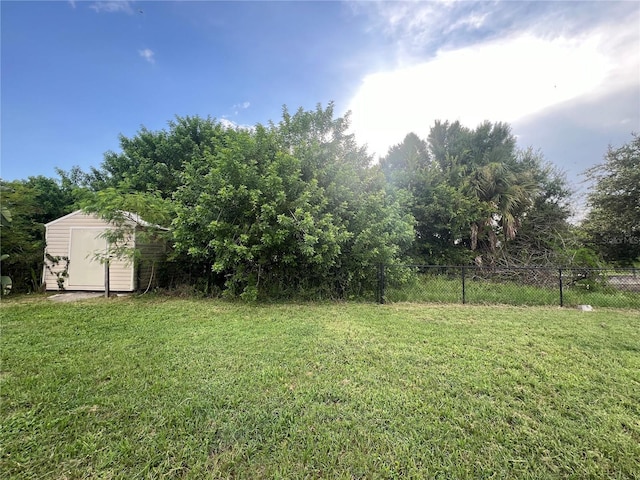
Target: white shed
70 255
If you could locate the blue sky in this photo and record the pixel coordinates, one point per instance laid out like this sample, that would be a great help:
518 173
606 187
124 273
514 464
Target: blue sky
75 75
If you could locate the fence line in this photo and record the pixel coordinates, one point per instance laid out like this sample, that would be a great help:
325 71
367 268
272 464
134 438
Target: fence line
563 286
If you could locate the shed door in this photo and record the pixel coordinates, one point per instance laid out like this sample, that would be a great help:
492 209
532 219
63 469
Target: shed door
84 270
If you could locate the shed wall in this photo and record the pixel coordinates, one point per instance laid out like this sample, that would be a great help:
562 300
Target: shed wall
151 254
58 238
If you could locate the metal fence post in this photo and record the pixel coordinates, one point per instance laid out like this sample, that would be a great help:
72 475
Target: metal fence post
560 281
378 284
381 281
464 293
107 280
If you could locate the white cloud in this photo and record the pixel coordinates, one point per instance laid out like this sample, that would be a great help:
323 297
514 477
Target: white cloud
112 6
148 55
231 124
501 80
72 3
228 123
240 106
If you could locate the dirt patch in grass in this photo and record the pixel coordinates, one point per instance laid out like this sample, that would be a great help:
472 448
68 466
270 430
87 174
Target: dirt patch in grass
74 296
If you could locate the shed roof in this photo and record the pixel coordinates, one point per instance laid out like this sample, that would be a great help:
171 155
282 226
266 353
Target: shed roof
134 218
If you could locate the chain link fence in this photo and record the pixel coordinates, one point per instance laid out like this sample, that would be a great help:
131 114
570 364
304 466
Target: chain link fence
618 288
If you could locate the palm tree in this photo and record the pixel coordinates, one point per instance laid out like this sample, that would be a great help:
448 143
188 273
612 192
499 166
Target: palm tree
507 190
500 180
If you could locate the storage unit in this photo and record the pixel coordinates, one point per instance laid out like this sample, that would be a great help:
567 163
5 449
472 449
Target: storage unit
75 243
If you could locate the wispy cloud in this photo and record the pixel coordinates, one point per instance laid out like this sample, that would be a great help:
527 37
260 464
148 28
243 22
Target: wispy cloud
72 3
240 106
147 54
112 6
420 29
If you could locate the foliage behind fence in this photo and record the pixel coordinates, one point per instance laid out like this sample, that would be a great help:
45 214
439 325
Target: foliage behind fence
515 285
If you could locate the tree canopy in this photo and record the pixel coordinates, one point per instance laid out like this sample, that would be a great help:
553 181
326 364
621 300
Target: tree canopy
472 191
152 161
289 207
613 222
31 203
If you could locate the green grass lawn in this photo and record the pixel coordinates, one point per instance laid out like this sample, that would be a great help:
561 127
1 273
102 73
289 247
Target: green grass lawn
173 388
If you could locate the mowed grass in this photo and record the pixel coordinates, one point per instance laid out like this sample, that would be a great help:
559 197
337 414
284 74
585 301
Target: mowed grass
172 388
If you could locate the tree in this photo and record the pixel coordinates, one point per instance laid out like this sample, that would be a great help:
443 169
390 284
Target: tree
613 222
246 210
476 197
545 235
288 208
468 189
440 209
356 193
152 160
502 183
125 212
5 221
32 202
